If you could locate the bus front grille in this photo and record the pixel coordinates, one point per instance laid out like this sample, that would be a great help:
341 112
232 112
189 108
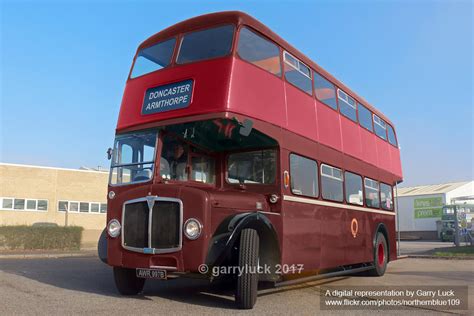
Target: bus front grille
152 225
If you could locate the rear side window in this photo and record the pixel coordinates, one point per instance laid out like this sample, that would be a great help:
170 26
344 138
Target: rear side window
206 44
380 127
304 176
325 91
365 118
391 136
331 183
386 196
153 58
347 105
371 193
297 73
259 51
353 184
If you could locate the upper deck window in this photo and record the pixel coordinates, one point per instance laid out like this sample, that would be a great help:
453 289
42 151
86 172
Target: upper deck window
297 73
380 127
206 44
347 105
153 58
325 91
259 51
365 118
391 136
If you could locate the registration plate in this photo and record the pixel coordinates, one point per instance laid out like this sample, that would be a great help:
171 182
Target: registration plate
151 273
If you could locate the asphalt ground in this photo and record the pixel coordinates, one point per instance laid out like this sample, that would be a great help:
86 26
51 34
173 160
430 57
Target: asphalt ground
84 285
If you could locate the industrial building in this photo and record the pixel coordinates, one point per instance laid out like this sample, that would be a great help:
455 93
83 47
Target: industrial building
34 194
420 207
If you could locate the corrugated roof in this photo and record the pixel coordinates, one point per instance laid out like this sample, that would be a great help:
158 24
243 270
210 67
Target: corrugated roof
430 189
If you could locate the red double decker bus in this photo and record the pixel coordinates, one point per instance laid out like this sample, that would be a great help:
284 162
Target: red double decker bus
233 149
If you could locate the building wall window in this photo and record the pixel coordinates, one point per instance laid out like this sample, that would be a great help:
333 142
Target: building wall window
259 51
82 207
331 183
325 91
21 204
353 185
371 193
304 176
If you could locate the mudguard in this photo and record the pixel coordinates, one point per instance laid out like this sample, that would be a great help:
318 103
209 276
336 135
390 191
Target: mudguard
102 246
227 237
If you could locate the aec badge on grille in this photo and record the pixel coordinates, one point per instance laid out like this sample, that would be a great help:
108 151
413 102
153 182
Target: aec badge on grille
168 97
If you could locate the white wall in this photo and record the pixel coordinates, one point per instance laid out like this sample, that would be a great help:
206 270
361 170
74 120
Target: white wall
406 214
465 190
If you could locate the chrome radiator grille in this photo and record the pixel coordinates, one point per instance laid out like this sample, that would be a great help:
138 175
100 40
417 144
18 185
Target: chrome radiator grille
152 225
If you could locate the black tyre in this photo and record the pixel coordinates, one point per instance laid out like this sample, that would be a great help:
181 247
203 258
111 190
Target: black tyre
247 282
380 256
127 282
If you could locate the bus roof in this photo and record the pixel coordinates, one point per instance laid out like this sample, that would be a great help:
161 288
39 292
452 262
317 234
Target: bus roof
237 17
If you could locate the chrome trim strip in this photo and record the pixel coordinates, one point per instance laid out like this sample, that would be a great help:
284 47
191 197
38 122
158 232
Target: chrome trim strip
164 267
150 213
325 203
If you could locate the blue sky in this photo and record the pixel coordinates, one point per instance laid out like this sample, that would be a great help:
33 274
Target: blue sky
64 65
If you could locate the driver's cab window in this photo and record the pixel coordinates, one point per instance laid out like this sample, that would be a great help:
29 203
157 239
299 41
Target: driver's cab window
181 161
133 157
174 160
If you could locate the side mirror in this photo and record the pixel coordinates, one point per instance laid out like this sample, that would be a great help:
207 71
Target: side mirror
109 153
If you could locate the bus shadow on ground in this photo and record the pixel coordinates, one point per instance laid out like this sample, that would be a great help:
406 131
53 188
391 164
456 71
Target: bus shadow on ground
89 275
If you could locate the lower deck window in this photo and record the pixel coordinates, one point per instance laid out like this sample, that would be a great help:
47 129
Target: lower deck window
371 193
353 185
331 183
304 176
386 196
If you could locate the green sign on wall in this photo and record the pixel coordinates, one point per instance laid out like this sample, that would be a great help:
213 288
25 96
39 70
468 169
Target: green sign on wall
428 207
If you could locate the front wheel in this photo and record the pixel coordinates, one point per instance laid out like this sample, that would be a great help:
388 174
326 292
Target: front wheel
380 256
127 282
247 280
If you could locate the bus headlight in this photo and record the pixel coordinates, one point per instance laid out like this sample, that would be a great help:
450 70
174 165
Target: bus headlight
192 229
113 228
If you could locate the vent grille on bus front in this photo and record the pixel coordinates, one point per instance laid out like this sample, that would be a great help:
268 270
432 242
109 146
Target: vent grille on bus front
158 232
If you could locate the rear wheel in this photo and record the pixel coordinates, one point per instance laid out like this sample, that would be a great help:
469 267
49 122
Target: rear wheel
127 282
247 280
380 256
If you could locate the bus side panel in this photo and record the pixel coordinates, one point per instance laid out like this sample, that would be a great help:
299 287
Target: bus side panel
328 125
257 93
351 138
396 161
383 154
301 235
300 112
332 241
357 236
369 149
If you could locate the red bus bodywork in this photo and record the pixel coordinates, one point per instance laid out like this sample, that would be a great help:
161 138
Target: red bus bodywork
309 231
